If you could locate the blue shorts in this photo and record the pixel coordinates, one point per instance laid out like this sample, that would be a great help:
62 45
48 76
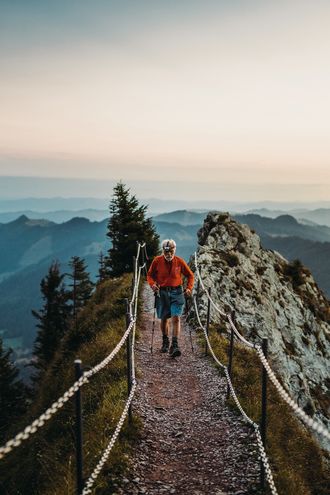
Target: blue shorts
170 302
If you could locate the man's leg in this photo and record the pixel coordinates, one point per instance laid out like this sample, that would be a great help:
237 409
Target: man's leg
175 326
165 328
174 350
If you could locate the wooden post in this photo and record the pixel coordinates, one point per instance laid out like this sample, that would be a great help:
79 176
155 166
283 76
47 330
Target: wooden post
231 352
129 351
79 431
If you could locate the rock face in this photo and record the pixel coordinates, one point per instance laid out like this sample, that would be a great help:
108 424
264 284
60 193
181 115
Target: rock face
274 299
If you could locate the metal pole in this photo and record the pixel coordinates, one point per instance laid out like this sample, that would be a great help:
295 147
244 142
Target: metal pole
79 430
208 319
231 351
129 356
153 323
263 423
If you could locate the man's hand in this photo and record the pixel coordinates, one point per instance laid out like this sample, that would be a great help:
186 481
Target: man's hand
187 293
155 288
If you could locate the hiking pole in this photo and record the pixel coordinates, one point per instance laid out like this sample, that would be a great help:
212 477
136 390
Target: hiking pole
153 323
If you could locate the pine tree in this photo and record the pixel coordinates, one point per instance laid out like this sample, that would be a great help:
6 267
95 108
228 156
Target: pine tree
13 392
81 286
127 225
53 317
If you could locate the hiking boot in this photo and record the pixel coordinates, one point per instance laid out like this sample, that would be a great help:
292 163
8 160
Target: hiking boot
174 349
166 344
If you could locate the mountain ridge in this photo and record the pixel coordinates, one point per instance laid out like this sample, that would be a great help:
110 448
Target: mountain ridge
274 299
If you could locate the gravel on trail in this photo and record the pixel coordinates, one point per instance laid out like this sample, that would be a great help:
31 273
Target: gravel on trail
192 442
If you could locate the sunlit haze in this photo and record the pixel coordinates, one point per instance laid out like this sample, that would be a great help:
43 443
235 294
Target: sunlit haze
225 98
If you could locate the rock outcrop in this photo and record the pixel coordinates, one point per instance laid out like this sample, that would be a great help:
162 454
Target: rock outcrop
271 298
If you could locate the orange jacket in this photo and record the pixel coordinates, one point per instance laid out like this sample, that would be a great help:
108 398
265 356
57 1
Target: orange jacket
169 273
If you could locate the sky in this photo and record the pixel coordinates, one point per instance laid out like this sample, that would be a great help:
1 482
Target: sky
216 98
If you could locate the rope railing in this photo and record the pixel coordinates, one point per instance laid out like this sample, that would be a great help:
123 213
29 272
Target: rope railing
59 403
136 269
262 451
129 338
133 304
317 427
222 366
91 480
39 422
135 307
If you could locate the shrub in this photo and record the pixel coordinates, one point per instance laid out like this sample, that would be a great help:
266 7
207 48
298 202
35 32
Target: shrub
231 259
297 272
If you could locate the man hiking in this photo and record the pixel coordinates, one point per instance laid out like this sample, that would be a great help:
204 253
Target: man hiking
165 279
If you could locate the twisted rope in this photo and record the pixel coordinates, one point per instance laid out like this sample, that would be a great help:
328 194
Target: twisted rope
263 455
317 427
91 480
58 404
133 304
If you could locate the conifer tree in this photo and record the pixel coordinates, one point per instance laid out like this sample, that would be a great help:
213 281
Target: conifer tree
13 392
53 317
127 225
81 286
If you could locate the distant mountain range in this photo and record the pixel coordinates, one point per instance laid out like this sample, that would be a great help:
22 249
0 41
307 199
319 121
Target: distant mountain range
320 216
185 236
309 243
28 246
57 216
18 186
315 218
285 226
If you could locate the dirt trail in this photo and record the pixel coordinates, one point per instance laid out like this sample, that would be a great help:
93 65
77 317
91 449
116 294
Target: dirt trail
192 443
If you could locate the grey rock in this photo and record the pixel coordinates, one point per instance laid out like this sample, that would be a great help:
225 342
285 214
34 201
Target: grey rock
268 304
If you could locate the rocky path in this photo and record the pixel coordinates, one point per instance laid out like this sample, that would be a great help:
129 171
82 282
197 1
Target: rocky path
192 443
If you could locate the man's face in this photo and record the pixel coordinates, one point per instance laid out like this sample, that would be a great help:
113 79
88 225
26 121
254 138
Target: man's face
169 253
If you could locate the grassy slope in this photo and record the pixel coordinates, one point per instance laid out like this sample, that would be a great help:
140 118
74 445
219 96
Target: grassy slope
45 463
296 460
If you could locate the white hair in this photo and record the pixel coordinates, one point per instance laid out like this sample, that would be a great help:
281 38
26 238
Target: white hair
169 243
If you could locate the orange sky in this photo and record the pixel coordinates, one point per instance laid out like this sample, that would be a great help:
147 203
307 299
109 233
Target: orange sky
225 92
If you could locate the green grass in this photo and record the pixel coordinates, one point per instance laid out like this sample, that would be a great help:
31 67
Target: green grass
45 463
296 460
